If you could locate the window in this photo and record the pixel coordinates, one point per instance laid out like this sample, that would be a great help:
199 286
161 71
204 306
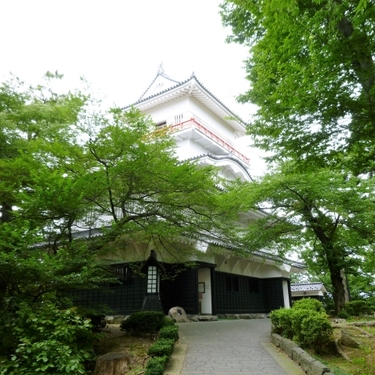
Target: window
161 124
124 274
152 279
254 286
232 284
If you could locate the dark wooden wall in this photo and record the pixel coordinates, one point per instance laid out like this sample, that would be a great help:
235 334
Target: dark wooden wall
120 299
232 294
181 291
236 294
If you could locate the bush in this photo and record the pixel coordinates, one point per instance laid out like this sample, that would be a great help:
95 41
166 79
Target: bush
168 321
48 340
306 322
308 304
282 322
297 317
343 315
161 348
144 322
156 365
358 307
169 332
315 331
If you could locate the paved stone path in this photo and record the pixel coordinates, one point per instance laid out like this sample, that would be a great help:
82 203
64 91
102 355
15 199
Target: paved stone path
232 347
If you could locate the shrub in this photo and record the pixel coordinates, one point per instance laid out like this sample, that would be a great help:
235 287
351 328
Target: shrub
161 348
315 331
169 332
282 322
297 317
305 323
48 340
358 307
168 321
156 365
308 304
343 315
144 322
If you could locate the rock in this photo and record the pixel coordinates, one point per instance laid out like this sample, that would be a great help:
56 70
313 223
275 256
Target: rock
347 339
113 363
178 314
109 319
207 318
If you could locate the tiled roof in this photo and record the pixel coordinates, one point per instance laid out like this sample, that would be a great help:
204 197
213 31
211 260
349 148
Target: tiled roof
306 287
179 84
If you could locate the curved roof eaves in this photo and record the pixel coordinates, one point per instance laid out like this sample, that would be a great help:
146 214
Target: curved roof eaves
193 77
215 157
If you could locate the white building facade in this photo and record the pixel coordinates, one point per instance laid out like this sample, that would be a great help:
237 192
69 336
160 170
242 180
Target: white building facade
221 283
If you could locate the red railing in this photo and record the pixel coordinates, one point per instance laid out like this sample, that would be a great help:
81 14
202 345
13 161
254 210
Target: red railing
192 122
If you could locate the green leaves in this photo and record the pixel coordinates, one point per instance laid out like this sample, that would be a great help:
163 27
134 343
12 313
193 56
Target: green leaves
50 341
311 75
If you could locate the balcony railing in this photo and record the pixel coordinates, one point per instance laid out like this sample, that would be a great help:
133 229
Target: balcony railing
198 124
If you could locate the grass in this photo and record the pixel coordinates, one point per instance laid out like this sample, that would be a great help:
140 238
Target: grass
362 359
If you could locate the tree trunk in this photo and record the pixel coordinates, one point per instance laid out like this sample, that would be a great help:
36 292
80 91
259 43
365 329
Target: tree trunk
5 212
112 364
338 284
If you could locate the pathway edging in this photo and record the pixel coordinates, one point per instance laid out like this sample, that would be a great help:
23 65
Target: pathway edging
310 365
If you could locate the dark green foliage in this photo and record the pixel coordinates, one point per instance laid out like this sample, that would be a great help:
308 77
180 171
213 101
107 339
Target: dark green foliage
162 347
282 322
308 304
46 339
343 315
96 315
64 167
306 323
144 322
323 126
315 331
297 317
359 307
169 332
156 365
169 321
161 350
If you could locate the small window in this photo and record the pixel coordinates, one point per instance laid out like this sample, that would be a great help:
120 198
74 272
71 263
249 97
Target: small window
152 279
232 284
124 275
254 286
161 124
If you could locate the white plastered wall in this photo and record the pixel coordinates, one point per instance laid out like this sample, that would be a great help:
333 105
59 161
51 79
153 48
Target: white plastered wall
205 298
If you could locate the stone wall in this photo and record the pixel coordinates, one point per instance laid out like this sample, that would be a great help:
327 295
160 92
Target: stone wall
308 364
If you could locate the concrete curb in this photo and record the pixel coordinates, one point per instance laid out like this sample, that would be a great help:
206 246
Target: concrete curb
176 361
308 364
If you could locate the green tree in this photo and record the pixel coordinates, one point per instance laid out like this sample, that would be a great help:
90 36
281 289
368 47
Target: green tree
136 180
321 215
65 169
312 75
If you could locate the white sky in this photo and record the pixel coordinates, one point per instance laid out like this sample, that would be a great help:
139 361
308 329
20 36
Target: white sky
119 44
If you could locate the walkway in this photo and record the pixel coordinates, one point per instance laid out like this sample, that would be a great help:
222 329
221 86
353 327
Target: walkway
230 347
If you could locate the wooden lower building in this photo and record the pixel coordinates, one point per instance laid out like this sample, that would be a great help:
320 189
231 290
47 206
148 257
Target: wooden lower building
231 285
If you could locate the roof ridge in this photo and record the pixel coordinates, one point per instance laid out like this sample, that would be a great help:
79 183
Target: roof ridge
191 78
161 74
